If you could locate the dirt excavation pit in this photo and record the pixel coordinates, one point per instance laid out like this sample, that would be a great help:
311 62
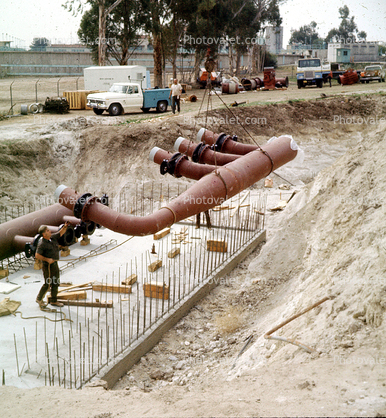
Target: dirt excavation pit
329 241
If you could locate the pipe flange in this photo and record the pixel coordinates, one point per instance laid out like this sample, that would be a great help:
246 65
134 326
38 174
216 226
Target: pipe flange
169 166
79 204
198 151
222 138
89 201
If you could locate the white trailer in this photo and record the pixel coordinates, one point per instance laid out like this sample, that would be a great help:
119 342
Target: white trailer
102 78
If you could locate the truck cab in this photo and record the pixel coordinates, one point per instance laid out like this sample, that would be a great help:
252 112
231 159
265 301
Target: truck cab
128 97
309 72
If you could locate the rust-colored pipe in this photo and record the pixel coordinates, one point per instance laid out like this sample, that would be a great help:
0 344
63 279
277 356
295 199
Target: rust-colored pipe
19 242
28 225
201 153
225 143
209 191
178 165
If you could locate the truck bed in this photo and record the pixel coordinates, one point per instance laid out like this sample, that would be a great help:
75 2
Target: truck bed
152 96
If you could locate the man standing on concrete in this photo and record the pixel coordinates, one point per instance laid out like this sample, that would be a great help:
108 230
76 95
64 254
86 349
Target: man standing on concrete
175 94
48 252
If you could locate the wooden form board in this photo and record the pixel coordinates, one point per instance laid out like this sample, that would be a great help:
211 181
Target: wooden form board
156 290
116 288
161 234
218 246
80 294
155 265
129 280
174 252
103 304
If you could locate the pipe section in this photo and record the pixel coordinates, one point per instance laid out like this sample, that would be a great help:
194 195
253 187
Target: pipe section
201 153
178 165
28 225
209 191
226 143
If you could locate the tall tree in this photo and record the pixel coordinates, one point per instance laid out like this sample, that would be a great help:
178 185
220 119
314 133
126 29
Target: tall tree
121 35
39 44
306 34
156 14
347 30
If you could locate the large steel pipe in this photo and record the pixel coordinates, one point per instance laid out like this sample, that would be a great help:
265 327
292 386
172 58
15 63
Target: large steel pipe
201 153
28 225
210 191
225 143
178 165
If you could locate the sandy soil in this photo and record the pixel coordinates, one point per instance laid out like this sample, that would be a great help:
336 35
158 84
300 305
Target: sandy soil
329 241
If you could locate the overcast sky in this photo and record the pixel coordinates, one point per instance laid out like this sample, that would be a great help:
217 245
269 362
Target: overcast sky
23 20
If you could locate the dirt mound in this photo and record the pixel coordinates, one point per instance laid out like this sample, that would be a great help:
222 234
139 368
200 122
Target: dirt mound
330 243
89 155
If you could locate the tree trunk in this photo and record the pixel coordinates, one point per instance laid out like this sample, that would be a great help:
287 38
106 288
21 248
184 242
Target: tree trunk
157 56
230 57
102 34
238 59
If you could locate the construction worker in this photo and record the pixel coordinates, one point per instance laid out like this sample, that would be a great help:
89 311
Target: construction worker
48 252
175 94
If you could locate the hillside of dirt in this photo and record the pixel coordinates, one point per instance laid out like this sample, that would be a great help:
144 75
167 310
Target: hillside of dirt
95 155
329 241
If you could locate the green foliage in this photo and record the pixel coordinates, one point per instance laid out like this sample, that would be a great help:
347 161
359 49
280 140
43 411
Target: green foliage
347 30
270 60
122 26
306 34
39 44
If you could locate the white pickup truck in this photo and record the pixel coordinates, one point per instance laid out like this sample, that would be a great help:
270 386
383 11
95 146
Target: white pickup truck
125 97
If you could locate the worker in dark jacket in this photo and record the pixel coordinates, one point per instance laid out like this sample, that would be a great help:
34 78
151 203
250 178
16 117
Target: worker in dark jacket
48 252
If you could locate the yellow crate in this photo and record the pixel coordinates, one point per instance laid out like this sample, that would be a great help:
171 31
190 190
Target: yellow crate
78 99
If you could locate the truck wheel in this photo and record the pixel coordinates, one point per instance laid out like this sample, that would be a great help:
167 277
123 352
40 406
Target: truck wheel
115 109
319 83
146 109
300 84
98 111
162 106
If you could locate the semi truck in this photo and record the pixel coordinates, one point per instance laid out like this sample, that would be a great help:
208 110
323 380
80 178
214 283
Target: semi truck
125 97
102 78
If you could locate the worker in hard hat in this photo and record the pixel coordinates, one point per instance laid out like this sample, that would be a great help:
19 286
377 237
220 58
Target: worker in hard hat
48 252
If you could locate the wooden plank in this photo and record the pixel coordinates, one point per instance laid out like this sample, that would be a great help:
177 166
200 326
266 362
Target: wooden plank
161 234
116 288
155 265
156 290
103 304
174 252
130 280
75 286
218 246
238 206
82 294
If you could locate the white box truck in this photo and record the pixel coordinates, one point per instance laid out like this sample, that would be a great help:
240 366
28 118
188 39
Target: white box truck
102 78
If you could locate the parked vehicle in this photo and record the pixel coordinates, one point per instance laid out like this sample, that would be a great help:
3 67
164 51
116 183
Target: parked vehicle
310 72
373 73
125 97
